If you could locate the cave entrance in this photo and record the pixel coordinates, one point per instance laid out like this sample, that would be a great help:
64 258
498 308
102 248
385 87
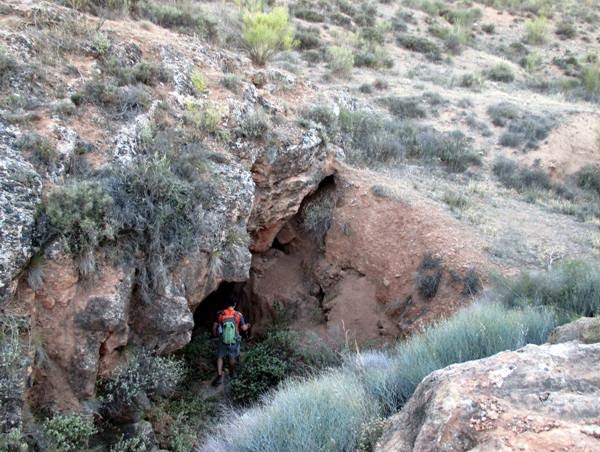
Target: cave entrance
206 312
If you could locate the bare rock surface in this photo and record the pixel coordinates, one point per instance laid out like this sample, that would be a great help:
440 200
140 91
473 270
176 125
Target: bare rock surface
586 330
536 398
20 194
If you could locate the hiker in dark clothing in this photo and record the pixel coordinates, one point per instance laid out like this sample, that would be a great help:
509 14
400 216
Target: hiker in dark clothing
228 326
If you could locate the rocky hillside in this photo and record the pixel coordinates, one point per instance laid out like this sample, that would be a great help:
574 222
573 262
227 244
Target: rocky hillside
361 175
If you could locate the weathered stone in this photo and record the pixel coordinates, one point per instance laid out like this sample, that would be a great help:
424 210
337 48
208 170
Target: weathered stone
20 194
586 330
537 398
284 177
81 323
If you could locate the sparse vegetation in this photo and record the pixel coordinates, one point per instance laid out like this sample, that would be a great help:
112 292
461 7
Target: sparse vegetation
69 432
501 72
420 45
340 60
429 276
80 213
513 175
524 129
537 29
565 30
588 178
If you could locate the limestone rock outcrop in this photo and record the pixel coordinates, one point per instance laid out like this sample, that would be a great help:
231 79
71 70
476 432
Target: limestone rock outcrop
536 398
20 193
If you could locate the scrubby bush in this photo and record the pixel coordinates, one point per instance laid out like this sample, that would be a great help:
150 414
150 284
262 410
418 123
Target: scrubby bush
429 276
572 289
372 56
420 45
316 214
183 16
278 355
266 33
588 178
144 375
40 149
121 101
232 82
158 205
205 117
537 30
69 432
519 177
80 212
255 124
308 38
565 30
524 129
502 72
7 63
405 107
340 60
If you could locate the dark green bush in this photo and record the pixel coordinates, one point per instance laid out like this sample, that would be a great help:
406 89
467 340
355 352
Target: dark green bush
69 432
81 213
565 30
308 38
420 45
310 15
41 150
500 73
429 276
588 178
524 129
572 289
405 107
278 355
158 202
503 112
513 175
145 375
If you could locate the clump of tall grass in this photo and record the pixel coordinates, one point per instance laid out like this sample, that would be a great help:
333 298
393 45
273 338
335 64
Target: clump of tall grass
572 289
321 413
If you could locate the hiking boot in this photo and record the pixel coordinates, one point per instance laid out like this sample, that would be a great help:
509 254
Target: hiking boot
217 380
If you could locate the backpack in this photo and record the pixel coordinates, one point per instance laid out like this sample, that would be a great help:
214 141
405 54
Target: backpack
229 335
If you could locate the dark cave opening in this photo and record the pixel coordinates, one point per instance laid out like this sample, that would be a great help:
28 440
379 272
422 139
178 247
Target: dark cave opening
206 312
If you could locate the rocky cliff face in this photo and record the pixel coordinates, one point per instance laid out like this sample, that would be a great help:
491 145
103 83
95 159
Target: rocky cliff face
536 398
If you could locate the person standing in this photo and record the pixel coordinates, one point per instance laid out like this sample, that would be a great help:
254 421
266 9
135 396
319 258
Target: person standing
228 326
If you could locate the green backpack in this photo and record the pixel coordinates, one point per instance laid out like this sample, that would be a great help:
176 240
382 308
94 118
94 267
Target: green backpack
229 335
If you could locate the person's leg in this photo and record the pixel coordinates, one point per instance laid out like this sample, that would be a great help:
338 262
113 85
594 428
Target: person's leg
219 366
220 354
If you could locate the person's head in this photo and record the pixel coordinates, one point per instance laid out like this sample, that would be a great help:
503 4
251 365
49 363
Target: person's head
232 301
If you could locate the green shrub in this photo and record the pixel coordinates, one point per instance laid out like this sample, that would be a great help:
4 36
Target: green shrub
316 214
232 82
513 175
524 129
183 16
280 354
14 440
454 38
590 79
572 289
429 276
420 45
308 38
565 30
267 33
490 29
7 63
321 116
198 80
405 107
309 15
588 178
69 432
157 205
375 57
143 375
537 29
502 72
340 60
205 117
255 124
81 213
41 150
121 101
